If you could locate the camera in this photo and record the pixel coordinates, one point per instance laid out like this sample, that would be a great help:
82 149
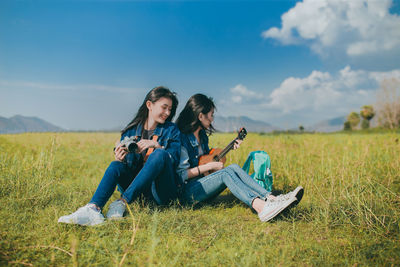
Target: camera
130 143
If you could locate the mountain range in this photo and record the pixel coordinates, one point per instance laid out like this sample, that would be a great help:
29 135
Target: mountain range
327 126
21 124
233 124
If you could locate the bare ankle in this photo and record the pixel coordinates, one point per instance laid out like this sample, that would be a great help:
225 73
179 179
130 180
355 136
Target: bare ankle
258 205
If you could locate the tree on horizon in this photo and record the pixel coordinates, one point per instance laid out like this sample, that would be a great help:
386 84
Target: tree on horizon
353 119
367 113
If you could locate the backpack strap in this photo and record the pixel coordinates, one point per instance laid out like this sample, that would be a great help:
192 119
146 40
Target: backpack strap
151 149
246 166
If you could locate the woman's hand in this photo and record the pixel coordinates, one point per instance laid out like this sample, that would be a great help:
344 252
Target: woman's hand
120 152
237 144
214 166
145 144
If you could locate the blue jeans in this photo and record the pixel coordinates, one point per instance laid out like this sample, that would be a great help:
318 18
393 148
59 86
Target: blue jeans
235 178
155 179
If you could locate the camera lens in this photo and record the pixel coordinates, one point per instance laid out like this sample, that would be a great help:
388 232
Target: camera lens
132 147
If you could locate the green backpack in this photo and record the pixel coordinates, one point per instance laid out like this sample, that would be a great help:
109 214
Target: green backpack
262 168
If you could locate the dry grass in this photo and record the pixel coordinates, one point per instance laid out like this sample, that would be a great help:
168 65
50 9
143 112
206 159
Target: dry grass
349 214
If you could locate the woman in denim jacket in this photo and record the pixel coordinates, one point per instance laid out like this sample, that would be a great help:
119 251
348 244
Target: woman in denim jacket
149 170
194 122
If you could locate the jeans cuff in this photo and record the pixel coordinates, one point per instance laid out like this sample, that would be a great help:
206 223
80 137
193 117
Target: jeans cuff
97 205
266 196
154 193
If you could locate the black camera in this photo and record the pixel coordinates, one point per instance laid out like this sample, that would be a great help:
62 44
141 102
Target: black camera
130 143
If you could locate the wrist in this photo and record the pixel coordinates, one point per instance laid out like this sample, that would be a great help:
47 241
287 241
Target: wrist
198 171
209 167
156 144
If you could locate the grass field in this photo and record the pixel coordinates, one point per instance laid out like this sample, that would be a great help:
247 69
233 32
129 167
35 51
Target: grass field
349 215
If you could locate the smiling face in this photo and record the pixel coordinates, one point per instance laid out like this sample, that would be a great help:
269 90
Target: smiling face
207 119
160 110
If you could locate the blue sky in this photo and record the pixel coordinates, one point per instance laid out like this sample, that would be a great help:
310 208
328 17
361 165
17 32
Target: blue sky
88 64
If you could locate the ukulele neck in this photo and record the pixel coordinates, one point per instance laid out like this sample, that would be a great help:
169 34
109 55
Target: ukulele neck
225 151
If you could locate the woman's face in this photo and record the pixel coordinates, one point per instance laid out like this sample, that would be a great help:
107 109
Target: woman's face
207 119
160 110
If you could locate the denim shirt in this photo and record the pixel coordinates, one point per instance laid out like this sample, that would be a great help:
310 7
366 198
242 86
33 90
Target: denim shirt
168 138
190 152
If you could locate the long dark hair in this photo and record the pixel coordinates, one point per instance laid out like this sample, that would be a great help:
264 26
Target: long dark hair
154 95
188 120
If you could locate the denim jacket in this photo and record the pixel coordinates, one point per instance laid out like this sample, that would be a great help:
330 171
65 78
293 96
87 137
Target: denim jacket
190 152
168 138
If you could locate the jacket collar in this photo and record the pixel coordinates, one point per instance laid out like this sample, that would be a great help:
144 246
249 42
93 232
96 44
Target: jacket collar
157 131
193 140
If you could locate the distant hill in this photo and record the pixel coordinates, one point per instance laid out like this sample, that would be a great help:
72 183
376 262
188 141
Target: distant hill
21 124
326 126
231 124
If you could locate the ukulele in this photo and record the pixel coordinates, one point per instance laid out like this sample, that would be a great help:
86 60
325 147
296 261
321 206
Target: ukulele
218 154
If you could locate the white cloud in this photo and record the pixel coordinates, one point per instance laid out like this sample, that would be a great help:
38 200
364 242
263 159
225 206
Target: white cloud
316 90
236 99
321 90
307 100
380 76
354 28
242 90
240 93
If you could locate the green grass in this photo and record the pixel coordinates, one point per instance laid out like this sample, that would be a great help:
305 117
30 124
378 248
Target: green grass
350 213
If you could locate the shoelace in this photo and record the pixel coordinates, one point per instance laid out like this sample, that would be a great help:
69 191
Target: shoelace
284 197
275 202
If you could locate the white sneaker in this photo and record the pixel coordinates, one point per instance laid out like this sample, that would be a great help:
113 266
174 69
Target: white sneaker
86 215
116 209
273 207
297 193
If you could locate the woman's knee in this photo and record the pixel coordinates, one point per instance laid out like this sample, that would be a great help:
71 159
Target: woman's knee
159 155
229 169
116 166
233 167
228 172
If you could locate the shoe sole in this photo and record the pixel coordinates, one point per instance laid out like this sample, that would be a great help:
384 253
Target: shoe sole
298 197
299 194
115 217
82 224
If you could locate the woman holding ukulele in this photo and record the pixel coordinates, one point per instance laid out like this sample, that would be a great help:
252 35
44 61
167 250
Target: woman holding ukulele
194 122
144 167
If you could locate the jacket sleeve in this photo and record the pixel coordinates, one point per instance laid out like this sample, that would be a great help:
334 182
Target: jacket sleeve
174 145
184 165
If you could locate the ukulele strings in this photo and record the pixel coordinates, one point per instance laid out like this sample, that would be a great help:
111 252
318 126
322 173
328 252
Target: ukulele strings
226 150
